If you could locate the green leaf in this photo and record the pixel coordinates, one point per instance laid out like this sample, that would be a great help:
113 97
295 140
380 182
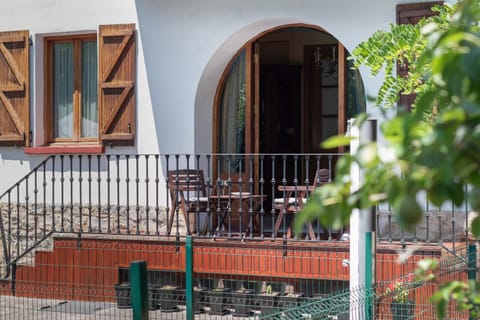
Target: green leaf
367 155
456 193
442 308
360 119
426 265
476 227
456 115
336 141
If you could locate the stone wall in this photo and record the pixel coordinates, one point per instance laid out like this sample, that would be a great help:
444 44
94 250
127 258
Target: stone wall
25 227
435 226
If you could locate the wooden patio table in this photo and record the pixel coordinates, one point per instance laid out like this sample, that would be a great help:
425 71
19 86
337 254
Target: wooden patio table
233 202
299 193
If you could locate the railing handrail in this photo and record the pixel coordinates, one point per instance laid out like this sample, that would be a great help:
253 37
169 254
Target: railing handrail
6 253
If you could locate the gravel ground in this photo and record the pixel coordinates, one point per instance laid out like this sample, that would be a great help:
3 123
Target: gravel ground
18 308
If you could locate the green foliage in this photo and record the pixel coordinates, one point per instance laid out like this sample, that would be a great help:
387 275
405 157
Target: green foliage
466 295
336 141
400 288
269 289
433 149
242 98
403 44
438 156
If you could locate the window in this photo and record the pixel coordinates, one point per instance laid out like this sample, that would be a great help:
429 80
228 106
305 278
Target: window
89 95
90 87
71 96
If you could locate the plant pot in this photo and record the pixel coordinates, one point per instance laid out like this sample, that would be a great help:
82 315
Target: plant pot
198 299
153 298
168 298
123 295
218 300
182 297
402 310
242 301
290 300
268 302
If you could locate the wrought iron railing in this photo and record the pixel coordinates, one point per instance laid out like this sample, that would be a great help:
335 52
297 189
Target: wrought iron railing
123 194
126 194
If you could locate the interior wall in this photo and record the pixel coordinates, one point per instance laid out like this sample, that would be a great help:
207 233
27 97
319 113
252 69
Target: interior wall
297 39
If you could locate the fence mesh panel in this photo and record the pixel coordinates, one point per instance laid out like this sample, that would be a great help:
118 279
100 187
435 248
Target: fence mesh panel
89 279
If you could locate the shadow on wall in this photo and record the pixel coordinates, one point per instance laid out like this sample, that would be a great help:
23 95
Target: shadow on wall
15 165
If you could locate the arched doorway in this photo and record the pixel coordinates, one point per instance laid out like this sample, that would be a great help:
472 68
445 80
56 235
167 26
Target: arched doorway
285 91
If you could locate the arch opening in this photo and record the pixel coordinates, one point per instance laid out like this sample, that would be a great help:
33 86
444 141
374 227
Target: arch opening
286 91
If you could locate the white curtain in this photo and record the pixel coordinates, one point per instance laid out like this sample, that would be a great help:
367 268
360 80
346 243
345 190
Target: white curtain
232 113
63 90
89 89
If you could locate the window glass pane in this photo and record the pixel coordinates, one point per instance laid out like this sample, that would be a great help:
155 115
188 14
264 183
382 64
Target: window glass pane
329 101
232 114
63 90
89 89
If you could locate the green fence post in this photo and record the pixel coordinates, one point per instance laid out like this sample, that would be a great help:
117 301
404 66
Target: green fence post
472 263
189 277
368 274
138 280
472 259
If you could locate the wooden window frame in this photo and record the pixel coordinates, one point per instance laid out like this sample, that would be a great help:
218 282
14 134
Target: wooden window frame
411 13
77 95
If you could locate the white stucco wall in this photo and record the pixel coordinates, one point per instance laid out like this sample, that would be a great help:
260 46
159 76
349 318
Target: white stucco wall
183 47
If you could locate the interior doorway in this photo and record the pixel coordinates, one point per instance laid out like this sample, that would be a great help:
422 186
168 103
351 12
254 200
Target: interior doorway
280 109
299 88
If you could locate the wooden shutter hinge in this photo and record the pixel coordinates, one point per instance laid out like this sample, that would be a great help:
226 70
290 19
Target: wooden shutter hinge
30 136
30 41
129 128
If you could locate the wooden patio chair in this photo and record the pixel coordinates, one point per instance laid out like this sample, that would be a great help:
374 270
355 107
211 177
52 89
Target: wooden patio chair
295 198
189 196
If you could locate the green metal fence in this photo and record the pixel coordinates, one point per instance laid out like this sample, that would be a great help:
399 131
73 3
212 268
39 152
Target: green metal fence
180 286
336 306
400 299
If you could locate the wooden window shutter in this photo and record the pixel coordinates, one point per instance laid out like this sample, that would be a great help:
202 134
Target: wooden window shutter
14 88
117 64
411 13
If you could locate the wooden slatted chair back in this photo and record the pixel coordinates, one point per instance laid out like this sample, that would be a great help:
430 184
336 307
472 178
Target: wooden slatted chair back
188 193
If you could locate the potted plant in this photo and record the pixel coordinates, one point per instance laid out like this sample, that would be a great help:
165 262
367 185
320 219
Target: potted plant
218 300
290 300
123 295
168 298
268 300
401 307
242 301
